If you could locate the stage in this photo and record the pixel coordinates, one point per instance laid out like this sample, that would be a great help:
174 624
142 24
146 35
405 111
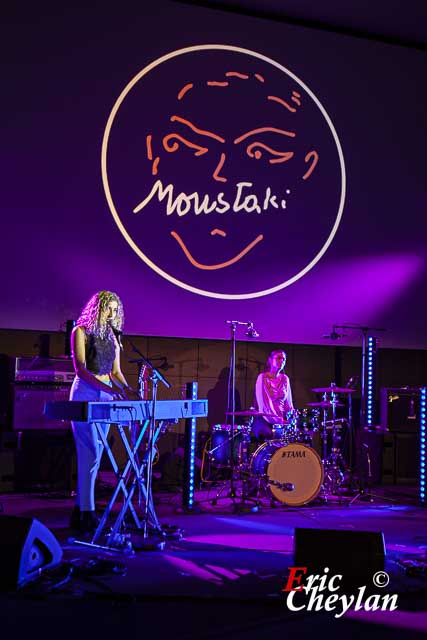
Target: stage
226 575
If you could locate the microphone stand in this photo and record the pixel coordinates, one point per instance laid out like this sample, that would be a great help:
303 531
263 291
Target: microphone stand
351 442
231 411
364 331
361 492
233 325
368 494
155 377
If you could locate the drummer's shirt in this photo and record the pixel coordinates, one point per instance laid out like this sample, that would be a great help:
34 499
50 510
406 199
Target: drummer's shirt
274 396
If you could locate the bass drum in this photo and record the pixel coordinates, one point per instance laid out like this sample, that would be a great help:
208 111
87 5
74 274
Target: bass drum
294 464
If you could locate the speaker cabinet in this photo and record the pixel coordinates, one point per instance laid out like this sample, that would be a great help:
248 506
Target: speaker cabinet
28 406
400 463
27 547
7 471
355 555
45 461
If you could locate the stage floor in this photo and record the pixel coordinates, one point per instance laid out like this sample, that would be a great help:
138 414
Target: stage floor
225 576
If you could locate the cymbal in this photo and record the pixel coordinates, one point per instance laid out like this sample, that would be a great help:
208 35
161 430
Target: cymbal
325 404
333 390
250 413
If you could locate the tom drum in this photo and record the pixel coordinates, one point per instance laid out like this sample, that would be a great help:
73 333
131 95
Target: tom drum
221 449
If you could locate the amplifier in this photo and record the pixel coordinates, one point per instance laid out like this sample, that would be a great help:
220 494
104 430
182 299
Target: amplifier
45 461
38 369
35 369
28 402
26 383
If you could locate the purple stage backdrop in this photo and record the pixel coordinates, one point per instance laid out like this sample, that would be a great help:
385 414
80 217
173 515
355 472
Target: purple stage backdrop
207 167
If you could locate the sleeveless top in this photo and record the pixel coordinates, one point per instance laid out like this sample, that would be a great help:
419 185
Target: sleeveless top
100 354
273 395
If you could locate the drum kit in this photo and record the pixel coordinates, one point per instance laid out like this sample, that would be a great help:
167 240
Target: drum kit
287 468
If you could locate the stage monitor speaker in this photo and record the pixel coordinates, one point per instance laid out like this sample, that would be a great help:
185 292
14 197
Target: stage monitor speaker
27 548
355 555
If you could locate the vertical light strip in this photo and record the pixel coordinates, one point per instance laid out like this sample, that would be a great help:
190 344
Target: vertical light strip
370 381
423 448
190 439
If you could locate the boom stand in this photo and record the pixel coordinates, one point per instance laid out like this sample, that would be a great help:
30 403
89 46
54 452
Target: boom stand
350 427
150 543
333 474
362 493
233 324
242 506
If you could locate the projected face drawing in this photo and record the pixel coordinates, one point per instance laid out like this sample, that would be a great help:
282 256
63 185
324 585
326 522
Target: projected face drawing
192 135
221 171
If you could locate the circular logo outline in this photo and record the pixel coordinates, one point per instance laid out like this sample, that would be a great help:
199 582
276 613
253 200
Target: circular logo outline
125 234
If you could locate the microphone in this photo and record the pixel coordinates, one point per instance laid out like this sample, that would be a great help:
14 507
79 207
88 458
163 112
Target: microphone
352 382
285 486
251 332
118 333
165 364
333 335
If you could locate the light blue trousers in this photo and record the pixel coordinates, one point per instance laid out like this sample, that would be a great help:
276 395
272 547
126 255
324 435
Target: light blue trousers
89 446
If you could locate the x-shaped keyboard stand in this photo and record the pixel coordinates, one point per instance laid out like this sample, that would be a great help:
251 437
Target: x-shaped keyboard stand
129 479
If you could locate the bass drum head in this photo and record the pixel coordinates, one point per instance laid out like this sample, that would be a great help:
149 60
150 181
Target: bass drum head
297 464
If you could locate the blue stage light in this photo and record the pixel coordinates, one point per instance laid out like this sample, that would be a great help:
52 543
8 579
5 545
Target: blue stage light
189 452
370 380
423 448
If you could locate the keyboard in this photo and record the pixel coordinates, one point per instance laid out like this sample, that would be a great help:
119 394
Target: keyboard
125 410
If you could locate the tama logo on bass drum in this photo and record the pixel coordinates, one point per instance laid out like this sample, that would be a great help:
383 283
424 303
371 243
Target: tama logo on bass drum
293 454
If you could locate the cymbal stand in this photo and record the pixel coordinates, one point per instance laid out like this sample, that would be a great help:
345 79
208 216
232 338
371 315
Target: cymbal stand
324 432
324 448
351 440
333 475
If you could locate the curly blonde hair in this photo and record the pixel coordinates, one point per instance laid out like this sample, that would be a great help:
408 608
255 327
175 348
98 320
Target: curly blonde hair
94 315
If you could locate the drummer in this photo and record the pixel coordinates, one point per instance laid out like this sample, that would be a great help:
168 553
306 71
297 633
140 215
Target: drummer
273 396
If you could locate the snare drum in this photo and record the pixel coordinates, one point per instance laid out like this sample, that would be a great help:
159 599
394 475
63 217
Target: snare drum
294 464
221 449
